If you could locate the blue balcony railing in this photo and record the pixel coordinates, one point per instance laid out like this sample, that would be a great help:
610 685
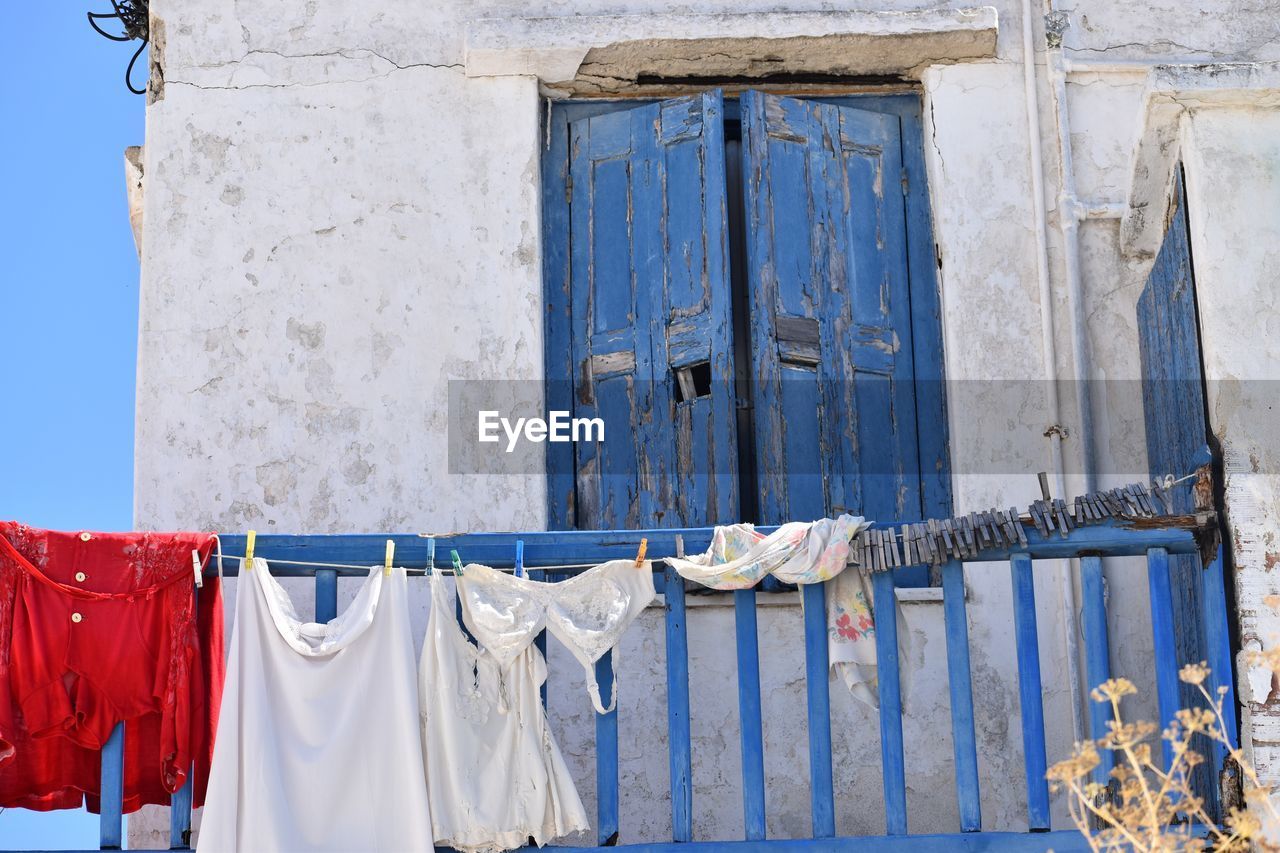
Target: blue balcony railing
541 552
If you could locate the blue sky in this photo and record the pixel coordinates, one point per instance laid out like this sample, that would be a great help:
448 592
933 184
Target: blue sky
69 291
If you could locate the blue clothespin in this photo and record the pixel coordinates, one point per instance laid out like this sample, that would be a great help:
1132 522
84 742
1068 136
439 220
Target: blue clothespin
520 558
457 562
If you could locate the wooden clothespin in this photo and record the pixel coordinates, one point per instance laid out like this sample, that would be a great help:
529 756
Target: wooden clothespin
910 557
391 554
1034 512
985 530
679 546
1144 498
249 540
644 547
457 562
993 527
519 570
1018 529
926 535
1163 495
1008 520
950 538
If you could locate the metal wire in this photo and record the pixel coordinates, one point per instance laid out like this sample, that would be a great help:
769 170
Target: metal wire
134 19
414 571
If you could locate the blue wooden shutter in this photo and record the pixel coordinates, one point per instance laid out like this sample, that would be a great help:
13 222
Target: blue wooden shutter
649 291
835 408
1177 444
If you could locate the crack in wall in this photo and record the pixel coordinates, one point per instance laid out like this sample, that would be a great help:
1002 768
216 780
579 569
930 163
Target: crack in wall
354 54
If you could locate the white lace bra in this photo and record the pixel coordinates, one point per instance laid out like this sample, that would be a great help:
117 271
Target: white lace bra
589 612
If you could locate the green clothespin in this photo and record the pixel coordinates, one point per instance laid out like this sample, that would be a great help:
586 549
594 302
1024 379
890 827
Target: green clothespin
457 562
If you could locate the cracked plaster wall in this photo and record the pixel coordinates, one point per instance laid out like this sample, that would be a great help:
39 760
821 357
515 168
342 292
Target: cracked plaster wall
334 213
1233 181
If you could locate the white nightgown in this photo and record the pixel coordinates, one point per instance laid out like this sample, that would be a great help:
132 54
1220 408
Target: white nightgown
495 776
318 743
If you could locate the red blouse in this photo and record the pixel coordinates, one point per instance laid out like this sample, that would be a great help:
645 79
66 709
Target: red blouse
96 629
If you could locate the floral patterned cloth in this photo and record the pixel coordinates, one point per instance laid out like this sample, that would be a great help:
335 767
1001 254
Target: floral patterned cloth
797 552
802 553
851 633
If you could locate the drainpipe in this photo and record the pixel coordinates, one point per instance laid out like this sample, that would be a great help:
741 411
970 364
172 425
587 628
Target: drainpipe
1055 431
1071 212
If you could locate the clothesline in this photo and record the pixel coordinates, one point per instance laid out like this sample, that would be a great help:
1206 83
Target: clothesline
933 542
411 571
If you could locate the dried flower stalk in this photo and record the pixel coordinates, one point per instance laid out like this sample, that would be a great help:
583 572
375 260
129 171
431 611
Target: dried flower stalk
1148 807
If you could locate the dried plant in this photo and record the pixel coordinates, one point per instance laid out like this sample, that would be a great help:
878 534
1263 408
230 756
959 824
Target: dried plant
1148 806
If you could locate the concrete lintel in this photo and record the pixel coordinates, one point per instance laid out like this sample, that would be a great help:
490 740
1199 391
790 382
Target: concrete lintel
623 48
1172 91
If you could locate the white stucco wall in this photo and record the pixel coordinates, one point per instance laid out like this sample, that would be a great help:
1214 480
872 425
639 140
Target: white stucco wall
339 220
1233 187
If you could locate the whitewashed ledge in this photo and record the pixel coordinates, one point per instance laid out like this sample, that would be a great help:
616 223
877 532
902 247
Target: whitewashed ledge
624 48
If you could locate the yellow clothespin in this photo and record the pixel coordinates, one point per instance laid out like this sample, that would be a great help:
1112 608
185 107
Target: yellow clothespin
457 562
391 553
644 546
249 540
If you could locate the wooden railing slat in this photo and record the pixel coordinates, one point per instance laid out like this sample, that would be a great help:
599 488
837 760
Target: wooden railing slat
678 745
750 720
892 763
817 686
111 794
1165 644
606 757
1097 656
1030 692
960 679
326 595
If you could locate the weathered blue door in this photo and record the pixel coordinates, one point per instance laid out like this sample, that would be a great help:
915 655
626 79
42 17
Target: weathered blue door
651 331
827 260
760 334
1178 444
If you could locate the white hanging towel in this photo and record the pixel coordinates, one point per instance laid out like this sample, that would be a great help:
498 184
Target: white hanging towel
318 743
802 552
495 776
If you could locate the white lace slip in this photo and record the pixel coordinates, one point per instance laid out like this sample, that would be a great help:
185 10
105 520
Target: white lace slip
495 777
589 612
